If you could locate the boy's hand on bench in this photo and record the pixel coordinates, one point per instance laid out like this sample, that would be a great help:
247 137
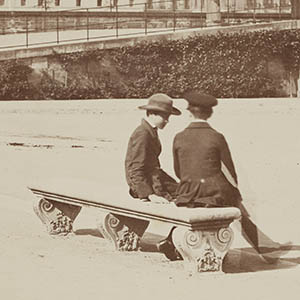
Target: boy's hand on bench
158 199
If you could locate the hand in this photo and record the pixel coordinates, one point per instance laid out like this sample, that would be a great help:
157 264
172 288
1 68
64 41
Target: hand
158 199
144 200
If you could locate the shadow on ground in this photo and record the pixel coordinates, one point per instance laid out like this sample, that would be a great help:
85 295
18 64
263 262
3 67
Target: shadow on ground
89 231
245 260
240 260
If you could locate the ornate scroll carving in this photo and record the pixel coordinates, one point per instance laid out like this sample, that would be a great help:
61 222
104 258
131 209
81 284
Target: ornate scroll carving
118 232
58 217
203 250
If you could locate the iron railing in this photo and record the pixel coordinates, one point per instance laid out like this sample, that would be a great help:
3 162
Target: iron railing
114 21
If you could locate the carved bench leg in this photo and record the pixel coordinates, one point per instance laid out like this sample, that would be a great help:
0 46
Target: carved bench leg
124 233
58 217
203 250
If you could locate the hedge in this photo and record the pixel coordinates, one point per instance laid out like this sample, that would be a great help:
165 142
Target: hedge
225 65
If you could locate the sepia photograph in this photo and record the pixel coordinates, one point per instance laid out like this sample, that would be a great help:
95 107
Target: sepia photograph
150 149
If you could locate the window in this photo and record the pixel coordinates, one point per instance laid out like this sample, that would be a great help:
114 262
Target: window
57 2
78 2
268 3
150 4
174 5
186 4
40 2
23 2
2 2
99 2
251 4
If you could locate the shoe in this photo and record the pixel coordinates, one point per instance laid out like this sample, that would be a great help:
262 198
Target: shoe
168 249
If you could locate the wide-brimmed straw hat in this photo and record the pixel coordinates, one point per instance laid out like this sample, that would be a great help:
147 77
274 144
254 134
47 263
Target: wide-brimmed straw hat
161 103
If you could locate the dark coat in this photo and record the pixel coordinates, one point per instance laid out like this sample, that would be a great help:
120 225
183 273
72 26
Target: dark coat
198 152
142 167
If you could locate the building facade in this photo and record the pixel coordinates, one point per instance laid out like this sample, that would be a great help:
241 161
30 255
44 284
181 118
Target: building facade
195 5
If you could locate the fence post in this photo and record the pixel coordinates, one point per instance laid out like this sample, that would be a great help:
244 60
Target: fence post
174 17
117 24
146 20
295 9
254 12
3 25
228 11
26 26
87 25
201 20
213 12
57 27
279 8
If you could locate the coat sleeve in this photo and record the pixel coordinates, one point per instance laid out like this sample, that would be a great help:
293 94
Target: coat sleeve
226 158
176 164
137 172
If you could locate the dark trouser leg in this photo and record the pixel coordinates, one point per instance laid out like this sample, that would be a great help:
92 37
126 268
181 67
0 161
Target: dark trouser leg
257 239
169 185
271 251
168 249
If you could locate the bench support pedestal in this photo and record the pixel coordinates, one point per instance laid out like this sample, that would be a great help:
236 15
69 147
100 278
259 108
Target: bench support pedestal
124 233
58 217
203 250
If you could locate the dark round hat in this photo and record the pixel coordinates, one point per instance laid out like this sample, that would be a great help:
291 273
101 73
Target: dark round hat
161 103
200 99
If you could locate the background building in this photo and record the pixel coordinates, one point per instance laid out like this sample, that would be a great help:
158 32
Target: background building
195 5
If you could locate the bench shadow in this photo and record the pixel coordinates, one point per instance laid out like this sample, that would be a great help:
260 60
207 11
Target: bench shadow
148 243
89 231
245 260
148 247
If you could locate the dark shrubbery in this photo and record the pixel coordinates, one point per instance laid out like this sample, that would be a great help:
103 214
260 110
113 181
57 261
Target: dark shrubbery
13 81
225 65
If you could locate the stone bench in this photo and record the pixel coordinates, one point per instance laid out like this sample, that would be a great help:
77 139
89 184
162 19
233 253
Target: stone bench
201 235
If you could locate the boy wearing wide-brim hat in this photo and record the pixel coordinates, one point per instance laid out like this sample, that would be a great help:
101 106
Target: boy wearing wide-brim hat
146 180
161 103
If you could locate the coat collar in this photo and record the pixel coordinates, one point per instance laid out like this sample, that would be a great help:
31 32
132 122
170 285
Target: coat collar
152 131
198 125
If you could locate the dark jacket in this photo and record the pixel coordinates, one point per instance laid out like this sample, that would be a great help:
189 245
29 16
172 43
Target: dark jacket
142 167
198 152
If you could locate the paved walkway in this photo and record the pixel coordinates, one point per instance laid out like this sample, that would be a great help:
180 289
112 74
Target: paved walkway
21 40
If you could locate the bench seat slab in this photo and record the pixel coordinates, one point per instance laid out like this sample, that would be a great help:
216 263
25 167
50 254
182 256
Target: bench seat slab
58 217
203 250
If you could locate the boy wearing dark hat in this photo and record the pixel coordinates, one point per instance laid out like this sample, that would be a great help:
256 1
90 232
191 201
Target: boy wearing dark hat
146 180
203 163
199 153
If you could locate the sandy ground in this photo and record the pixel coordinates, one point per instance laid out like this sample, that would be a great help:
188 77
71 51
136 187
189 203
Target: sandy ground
86 140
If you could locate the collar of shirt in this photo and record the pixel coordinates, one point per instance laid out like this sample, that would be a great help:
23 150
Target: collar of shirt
153 126
198 120
149 126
